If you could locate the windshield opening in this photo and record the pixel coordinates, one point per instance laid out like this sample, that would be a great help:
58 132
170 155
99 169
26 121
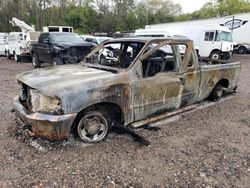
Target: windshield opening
66 38
223 36
116 55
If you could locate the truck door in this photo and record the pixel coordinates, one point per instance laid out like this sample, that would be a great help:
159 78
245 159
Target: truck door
190 76
157 88
44 48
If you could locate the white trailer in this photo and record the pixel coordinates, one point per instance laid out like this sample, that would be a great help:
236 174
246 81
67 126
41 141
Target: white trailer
239 24
213 41
58 29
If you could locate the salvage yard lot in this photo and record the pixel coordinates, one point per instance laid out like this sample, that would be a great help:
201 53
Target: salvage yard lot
209 147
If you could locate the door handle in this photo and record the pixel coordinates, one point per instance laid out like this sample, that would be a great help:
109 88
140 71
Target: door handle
182 79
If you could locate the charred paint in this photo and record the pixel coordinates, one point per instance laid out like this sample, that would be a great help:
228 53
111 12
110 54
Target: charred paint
79 87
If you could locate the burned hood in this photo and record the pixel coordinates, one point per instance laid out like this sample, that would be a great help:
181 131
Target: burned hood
62 80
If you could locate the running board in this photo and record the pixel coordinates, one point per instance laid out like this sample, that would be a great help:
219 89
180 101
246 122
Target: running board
160 117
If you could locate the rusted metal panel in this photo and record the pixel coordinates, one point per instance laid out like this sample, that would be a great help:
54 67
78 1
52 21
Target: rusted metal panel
73 88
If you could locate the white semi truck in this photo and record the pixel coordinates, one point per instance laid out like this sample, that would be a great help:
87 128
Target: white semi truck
213 41
239 24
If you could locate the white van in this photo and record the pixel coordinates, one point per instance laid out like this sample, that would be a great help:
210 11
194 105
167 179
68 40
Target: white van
16 46
213 41
3 42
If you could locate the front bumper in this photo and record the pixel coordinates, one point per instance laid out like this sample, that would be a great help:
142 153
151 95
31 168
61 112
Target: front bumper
50 127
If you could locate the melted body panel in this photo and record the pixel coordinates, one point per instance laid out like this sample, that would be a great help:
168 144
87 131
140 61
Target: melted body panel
81 86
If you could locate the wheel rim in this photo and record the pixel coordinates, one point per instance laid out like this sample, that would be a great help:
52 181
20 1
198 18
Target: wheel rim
215 56
241 50
92 128
15 56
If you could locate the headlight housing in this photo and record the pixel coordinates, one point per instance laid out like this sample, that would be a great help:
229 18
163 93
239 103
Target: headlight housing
46 104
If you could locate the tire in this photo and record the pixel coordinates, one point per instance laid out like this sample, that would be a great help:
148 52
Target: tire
215 55
242 50
35 62
217 93
102 60
93 127
17 57
57 61
8 55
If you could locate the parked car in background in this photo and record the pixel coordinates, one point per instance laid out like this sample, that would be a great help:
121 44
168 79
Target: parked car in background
16 46
3 42
95 39
59 48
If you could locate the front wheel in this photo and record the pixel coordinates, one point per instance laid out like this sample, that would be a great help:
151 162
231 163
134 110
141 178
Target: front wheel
35 62
57 61
217 93
93 127
215 55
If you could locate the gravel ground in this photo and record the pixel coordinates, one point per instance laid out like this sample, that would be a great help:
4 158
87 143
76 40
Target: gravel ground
207 147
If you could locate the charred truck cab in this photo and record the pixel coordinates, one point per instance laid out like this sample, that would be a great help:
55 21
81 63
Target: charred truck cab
130 81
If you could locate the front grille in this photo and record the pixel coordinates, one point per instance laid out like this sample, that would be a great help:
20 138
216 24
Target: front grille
79 51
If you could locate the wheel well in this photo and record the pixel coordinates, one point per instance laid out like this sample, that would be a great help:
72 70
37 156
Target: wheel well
242 47
223 82
113 110
215 50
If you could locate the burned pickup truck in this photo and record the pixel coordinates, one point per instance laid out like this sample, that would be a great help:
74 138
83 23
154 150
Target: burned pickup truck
139 80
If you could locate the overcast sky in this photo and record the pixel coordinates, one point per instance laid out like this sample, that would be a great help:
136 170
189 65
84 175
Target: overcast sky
189 6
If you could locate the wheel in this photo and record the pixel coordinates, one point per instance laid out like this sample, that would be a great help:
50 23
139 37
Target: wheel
35 62
102 60
57 61
8 55
215 55
242 50
217 93
17 57
93 127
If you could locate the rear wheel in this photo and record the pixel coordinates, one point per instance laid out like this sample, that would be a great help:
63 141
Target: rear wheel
93 127
17 57
242 50
57 61
217 93
35 62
